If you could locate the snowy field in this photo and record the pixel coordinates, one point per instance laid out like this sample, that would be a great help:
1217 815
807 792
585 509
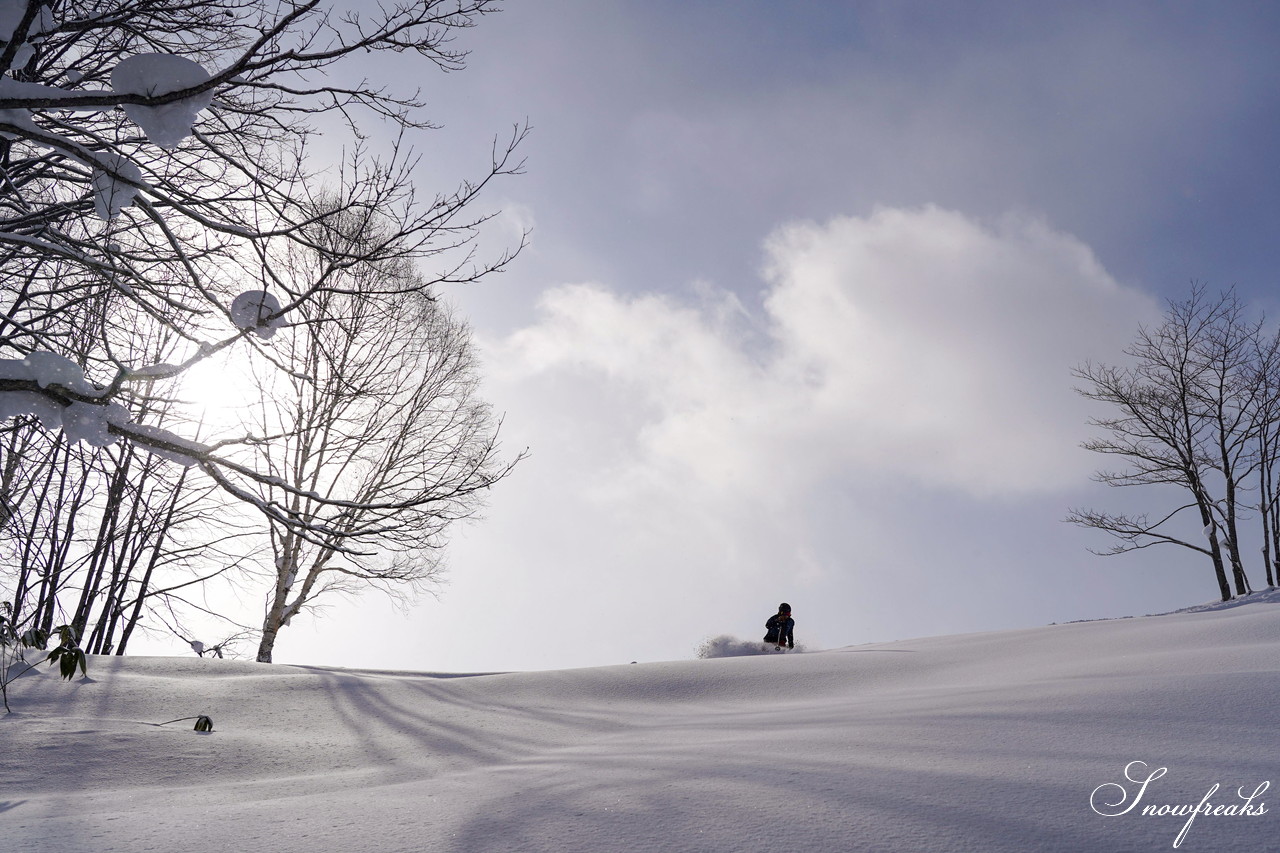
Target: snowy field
987 742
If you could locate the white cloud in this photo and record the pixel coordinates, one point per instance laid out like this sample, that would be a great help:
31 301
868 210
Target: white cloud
835 442
914 344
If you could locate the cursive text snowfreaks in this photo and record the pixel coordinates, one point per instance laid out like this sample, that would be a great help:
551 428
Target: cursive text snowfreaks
1112 799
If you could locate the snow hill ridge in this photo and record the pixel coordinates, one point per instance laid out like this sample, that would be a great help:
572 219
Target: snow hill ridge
1011 741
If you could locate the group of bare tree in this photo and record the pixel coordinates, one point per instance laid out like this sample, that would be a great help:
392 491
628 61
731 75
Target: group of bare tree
1196 411
160 203
96 534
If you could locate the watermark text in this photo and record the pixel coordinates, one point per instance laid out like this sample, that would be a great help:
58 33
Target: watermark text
1113 799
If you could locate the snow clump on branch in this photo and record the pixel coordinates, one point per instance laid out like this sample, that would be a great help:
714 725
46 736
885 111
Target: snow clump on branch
153 74
82 420
11 12
255 309
87 422
110 194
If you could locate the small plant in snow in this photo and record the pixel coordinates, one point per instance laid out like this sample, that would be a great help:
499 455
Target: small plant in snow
68 655
204 723
13 646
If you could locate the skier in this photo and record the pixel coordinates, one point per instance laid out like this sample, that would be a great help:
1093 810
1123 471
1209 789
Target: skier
779 628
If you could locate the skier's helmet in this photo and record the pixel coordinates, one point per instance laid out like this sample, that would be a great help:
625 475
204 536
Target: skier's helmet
784 608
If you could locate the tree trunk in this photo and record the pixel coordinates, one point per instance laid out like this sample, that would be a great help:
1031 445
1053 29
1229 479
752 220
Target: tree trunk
1220 571
276 616
145 584
1215 547
103 546
266 646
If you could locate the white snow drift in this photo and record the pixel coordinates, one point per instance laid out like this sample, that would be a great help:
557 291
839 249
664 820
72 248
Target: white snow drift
1004 742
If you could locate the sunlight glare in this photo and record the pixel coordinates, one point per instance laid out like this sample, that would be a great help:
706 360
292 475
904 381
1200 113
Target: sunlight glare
219 387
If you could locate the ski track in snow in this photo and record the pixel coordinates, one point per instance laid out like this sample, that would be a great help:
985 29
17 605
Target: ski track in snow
984 742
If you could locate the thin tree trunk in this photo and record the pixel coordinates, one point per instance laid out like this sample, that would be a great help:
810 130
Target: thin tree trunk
145 584
105 546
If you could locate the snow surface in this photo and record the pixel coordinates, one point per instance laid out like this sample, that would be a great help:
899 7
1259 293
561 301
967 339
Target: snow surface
999 742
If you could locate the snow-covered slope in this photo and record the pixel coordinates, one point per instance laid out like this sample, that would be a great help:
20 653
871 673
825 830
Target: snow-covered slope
987 742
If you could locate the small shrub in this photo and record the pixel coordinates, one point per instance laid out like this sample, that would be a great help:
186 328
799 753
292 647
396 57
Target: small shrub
13 662
68 655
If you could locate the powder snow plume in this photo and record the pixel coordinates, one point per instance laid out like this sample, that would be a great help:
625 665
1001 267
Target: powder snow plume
729 646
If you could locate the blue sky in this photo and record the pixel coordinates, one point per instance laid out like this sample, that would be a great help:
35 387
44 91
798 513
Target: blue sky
805 287
698 125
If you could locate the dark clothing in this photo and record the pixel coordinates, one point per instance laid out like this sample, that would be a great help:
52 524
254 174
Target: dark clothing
779 629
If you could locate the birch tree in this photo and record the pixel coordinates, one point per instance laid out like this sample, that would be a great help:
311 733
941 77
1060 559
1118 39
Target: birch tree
383 444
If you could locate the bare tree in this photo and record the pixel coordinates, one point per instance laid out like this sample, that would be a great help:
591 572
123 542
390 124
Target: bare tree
97 535
383 443
151 153
1191 412
1266 371
1233 406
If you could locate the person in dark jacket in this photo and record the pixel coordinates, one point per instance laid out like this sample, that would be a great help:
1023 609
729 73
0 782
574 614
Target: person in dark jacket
780 627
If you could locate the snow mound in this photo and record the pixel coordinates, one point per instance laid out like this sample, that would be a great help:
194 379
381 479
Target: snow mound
999 742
